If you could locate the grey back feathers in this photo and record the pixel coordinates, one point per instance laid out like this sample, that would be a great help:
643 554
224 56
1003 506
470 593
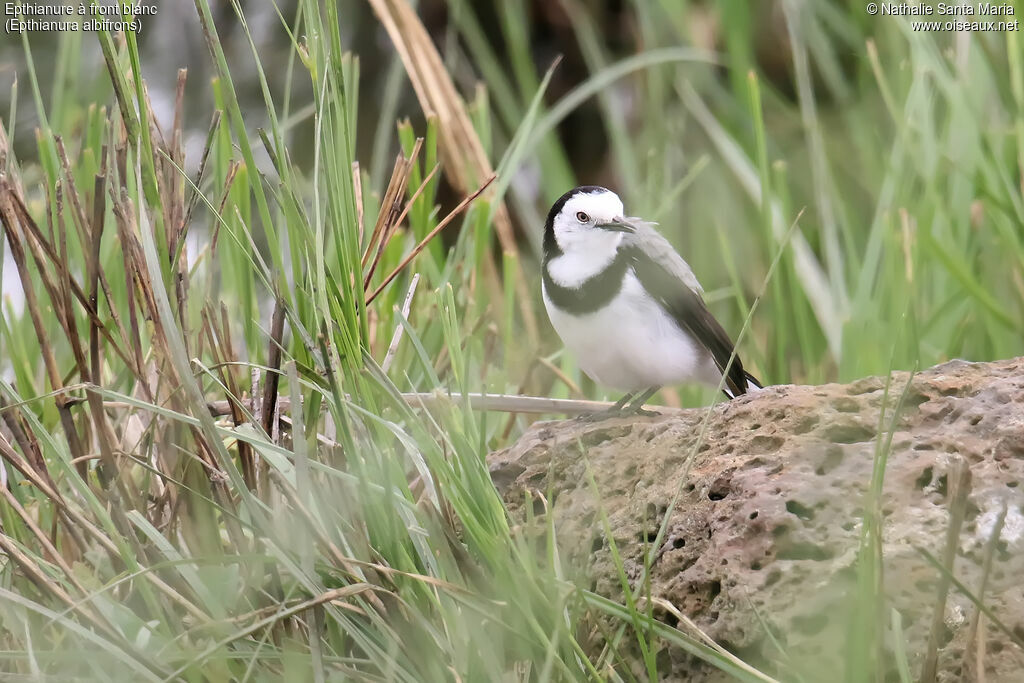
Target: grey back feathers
658 249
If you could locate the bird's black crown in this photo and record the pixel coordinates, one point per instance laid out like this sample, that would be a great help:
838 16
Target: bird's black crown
550 244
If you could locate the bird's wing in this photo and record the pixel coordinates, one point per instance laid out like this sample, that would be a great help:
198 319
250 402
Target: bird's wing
667 278
651 242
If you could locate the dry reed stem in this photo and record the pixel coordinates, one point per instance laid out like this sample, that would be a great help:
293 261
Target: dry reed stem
462 152
426 240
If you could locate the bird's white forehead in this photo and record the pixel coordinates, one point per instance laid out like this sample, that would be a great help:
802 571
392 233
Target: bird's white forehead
600 205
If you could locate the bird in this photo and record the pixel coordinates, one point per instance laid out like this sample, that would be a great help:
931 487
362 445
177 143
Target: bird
628 306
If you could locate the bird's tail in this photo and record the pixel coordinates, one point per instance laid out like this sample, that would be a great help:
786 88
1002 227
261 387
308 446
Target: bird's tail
752 384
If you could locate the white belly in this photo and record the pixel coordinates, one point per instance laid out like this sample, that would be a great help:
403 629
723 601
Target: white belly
632 344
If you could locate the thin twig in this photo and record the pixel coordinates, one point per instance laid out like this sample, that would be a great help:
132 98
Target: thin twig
502 403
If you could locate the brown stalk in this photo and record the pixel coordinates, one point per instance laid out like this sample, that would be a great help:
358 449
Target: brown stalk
24 437
80 221
41 480
128 248
14 241
96 229
90 235
426 240
388 207
391 209
177 160
63 308
53 555
461 150
268 408
43 251
228 182
104 432
401 217
221 349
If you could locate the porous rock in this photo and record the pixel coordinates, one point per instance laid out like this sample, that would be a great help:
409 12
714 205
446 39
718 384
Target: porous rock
765 532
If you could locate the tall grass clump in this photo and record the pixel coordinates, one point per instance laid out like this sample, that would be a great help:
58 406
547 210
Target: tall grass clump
240 392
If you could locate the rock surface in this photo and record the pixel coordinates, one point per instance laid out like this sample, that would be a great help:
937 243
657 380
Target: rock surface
766 528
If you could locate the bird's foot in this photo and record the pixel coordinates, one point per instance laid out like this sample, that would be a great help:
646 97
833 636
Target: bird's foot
600 415
629 405
615 411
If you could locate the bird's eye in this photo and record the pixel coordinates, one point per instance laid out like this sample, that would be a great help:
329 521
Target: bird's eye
582 217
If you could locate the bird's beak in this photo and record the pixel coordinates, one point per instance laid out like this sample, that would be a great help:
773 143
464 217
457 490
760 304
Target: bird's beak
617 224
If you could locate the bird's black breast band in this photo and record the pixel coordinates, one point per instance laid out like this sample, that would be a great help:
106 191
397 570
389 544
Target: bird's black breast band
593 293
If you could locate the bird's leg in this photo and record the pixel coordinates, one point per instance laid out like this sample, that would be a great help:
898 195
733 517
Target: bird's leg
630 404
614 411
621 403
636 406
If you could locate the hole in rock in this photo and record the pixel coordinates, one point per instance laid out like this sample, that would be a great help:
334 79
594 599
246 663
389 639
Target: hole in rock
925 478
794 507
654 512
669 619
915 399
538 507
